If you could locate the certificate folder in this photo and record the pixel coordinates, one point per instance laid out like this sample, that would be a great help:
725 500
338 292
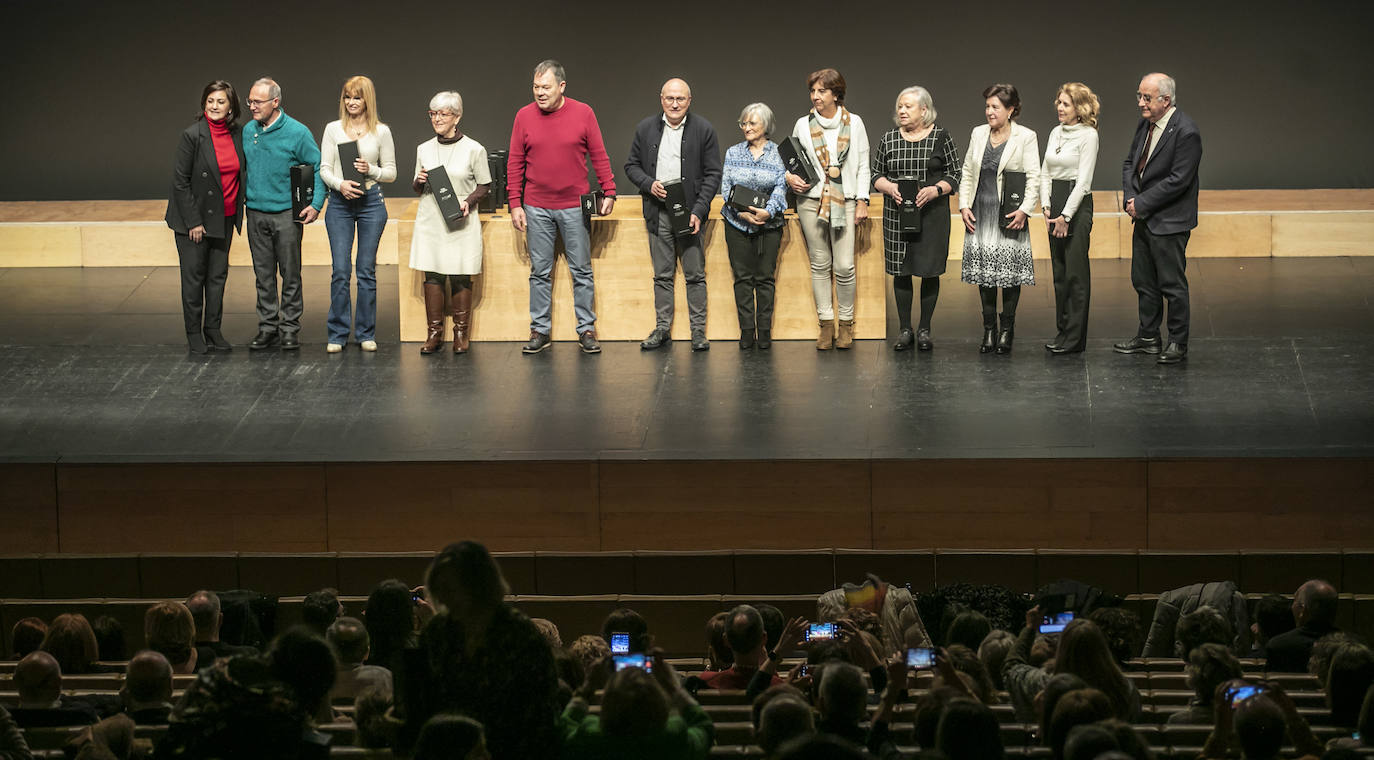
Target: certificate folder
679 215
1059 197
302 189
449 205
742 198
1013 195
348 153
591 206
908 214
795 160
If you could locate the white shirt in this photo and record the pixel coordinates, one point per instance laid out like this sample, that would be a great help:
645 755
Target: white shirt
1071 153
670 152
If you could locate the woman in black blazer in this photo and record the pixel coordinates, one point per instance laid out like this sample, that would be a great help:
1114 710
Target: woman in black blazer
204 208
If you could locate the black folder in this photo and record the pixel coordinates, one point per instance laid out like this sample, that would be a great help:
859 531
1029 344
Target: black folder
449 203
591 206
908 215
348 153
679 213
302 189
796 160
1059 197
1013 195
742 197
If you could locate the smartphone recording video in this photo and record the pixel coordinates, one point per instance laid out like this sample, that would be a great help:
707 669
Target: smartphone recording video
920 658
1239 694
1055 623
820 632
623 661
620 643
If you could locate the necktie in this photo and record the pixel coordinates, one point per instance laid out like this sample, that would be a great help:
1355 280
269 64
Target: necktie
1145 151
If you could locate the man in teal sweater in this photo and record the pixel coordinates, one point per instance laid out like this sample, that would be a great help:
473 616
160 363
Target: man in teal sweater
272 143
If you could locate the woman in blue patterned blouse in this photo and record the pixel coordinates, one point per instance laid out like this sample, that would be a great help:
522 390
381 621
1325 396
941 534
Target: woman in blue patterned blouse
753 236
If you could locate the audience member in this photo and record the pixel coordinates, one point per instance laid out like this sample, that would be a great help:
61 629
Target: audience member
483 658
27 636
894 605
783 720
147 689
1045 702
1314 613
349 640
320 609
718 654
209 618
38 679
992 651
1208 666
842 702
109 639
13 746
571 674
549 631
969 731
745 636
1273 616
1351 675
256 707
110 739
966 661
1323 649
169 629
392 624
373 729
589 649
1122 629
628 621
821 747
1204 625
926 721
71 641
1095 740
1076 708
1223 596
773 623
451 737
968 629
643 715
1082 651
1259 725
770 694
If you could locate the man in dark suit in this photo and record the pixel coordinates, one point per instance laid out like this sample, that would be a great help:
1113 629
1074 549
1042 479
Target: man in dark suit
1159 182
669 147
1314 611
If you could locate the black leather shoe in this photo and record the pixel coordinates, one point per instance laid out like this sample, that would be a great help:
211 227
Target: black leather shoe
746 339
923 342
989 339
196 343
1058 350
905 339
215 340
263 340
699 341
1054 345
765 339
538 342
1138 345
589 343
657 339
1173 354
290 342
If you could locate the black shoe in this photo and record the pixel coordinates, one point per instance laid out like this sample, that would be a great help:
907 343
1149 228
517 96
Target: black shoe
1007 336
538 342
923 342
746 339
290 342
765 339
905 339
657 339
1058 350
1173 354
196 343
989 338
1138 345
1054 345
588 342
263 340
699 341
215 340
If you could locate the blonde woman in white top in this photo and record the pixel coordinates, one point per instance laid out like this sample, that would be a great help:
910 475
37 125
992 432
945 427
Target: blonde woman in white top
836 143
355 207
1070 158
996 254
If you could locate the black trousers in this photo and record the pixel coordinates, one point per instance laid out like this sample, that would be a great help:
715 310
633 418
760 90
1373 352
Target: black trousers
1158 273
754 263
1072 278
204 269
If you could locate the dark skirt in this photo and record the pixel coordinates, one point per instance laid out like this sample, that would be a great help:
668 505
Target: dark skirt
924 254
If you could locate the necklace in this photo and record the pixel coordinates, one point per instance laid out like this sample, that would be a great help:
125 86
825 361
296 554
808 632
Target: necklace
356 130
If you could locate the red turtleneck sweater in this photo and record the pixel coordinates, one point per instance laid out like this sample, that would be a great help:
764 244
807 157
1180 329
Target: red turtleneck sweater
228 159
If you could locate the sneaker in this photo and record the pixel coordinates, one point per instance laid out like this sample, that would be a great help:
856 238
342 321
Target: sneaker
334 348
538 342
368 345
589 344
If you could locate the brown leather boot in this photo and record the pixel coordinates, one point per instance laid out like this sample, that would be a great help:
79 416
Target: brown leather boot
434 316
845 338
462 312
827 339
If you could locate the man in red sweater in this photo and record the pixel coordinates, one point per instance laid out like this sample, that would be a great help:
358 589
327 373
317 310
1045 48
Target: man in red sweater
546 176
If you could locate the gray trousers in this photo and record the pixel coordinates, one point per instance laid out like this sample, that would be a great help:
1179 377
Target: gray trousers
274 240
664 251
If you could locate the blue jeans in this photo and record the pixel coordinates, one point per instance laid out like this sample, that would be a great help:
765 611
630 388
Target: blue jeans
544 226
368 213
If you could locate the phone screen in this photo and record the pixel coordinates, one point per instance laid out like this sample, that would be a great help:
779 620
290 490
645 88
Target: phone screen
623 661
1055 623
1241 693
920 658
620 643
820 632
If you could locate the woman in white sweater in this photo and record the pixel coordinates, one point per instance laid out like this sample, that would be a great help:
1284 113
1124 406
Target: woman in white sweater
834 140
355 206
997 251
1066 184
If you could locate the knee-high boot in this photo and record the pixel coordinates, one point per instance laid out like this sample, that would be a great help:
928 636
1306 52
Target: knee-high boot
434 317
462 313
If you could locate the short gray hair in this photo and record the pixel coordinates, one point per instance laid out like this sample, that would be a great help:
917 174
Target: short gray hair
764 114
559 75
273 89
1167 86
448 100
922 98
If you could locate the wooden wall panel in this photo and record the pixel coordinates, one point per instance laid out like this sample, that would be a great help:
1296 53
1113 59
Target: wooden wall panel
1323 234
192 508
41 245
734 504
509 506
28 508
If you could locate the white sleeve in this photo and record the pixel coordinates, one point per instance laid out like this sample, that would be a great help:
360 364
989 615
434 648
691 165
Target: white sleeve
859 137
329 158
967 178
1032 164
386 170
1087 164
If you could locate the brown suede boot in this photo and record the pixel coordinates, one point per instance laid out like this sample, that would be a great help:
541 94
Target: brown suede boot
434 316
827 339
462 312
845 338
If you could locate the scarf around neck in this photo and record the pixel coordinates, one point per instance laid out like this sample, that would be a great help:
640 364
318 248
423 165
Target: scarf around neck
832 191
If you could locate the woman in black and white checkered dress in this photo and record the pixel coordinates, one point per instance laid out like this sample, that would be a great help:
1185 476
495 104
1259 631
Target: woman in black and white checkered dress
921 149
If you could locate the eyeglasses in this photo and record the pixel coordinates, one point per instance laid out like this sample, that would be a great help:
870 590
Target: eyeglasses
747 124
675 101
1147 99
255 103
433 115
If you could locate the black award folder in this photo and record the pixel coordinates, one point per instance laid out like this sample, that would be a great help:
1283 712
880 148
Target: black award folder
1059 197
348 153
742 198
795 160
908 214
449 203
1013 195
591 206
302 189
679 213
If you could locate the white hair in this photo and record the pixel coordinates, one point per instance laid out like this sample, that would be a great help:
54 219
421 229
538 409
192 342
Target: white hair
922 98
763 113
273 89
1167 87
448 100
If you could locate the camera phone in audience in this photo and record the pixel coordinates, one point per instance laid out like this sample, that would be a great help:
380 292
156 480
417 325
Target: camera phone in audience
920 658
1238 694
620 643
623 661
821 632
1055 623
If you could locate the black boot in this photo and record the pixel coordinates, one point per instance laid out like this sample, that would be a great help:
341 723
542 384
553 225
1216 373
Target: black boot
989 334
1008 333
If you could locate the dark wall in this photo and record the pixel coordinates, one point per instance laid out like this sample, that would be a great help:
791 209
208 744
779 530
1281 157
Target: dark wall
96 93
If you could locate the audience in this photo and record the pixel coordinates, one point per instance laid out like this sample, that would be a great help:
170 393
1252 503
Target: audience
1055 688
1319 663
1122 629
549 631
320 609
1314 615
783 720
745 636
1209 665
13 746
1350 676
109 639
894 607
930 706
1259 725
1273 616
992 651
643 714
821 747
629 622
348 638
968 629
38 679
27 636
969 731
209 618
373 729
393 623
1204 625
965 661
842 702
1094 740
718 654
147 689
589 649
169 629
1082 651
71 641
1076 708
773 623
451 737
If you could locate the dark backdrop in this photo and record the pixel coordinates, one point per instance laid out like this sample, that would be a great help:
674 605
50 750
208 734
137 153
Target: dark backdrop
96 93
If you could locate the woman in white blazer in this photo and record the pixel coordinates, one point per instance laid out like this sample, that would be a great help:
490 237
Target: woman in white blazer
997 250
